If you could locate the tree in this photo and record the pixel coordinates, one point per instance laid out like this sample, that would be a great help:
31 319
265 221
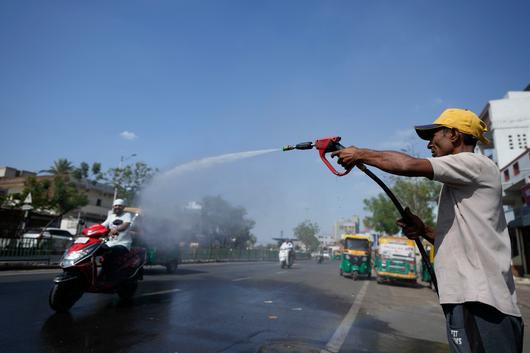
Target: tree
384 214
91 174
60 167
130 179
59 193
306 233
419 195
225 225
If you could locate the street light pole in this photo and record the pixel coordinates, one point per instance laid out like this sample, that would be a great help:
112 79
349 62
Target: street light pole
122 159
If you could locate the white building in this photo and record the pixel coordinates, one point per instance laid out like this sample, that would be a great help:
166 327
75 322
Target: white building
347 226
508 121
326 240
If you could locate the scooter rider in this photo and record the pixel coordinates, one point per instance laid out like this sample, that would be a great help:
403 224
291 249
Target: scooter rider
120 240
288 245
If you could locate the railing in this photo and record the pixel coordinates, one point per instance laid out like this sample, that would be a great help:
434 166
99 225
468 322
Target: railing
50 250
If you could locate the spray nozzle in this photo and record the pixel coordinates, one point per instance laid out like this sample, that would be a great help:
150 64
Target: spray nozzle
301 146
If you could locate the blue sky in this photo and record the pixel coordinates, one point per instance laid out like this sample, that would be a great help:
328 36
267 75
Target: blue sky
193 79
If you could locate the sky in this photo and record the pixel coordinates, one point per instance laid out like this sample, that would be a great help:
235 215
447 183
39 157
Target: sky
177 81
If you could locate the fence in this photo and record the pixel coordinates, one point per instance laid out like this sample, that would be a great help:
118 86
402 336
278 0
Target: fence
51 250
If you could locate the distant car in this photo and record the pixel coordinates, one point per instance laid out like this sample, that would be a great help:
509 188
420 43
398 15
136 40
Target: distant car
55 238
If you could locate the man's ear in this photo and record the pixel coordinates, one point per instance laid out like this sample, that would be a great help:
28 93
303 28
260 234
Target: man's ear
455 135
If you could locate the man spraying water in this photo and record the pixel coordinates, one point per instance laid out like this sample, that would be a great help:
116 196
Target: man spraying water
476 286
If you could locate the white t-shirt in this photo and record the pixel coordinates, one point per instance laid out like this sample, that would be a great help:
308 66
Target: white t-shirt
286 246
472 245
123 238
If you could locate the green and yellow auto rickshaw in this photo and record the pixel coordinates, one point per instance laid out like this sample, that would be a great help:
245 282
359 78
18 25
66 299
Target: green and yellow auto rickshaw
395 260
356 256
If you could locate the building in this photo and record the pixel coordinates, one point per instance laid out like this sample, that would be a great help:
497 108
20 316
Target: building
508 121
326 240
8 172
347 225
100 197
516 198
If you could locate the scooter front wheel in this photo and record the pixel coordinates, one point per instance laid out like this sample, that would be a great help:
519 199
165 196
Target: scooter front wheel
63 296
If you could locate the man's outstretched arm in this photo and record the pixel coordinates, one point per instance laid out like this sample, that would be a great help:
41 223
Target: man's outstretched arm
389 161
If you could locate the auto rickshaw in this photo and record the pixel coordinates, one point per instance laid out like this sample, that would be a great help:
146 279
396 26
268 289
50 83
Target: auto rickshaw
425 275
395 260
356 256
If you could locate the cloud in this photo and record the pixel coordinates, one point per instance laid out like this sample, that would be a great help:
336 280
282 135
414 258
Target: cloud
128 135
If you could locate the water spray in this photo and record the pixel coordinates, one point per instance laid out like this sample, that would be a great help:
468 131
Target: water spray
331 144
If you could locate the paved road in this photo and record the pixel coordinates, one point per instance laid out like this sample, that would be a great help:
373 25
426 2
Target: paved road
228 308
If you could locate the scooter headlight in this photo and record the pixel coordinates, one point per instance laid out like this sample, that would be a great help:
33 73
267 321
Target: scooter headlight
71 258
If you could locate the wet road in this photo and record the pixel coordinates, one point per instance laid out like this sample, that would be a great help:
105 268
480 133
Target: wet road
226 307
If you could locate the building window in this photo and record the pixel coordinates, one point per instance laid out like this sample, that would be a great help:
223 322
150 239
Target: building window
506 175
516 168
510 141
521 140
98 202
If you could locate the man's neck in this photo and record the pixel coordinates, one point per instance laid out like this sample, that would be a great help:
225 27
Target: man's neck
463 148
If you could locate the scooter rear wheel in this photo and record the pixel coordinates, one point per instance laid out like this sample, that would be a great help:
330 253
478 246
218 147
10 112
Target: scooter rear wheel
63 296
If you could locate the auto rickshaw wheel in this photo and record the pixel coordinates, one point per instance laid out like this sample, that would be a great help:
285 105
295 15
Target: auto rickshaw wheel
355 275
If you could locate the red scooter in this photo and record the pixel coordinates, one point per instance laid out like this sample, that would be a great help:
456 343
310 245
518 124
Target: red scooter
82 265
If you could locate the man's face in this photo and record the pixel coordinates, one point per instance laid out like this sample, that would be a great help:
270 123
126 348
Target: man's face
440 144
118 209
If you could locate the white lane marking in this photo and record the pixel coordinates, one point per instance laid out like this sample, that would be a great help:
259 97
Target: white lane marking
160 292
241 279
280 272
338 338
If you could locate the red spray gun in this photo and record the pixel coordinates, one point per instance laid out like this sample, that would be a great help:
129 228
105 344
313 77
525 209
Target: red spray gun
324 145
331 144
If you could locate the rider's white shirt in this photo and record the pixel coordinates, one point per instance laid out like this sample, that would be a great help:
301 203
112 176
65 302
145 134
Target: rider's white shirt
286 246
123 238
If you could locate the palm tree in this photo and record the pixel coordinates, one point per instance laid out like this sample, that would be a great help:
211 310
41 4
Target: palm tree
60 167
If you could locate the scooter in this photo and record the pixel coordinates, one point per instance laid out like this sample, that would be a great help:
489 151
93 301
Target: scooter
286 257
82 265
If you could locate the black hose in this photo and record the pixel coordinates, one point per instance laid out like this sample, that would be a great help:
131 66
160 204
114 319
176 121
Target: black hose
403 214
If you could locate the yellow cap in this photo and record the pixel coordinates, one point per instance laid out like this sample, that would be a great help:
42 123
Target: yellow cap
463 120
